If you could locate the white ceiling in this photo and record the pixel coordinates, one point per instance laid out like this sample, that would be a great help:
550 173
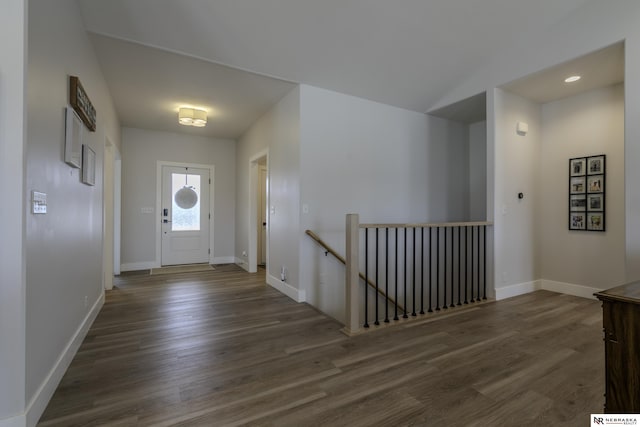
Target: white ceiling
470 110
598 69
406 53
149 85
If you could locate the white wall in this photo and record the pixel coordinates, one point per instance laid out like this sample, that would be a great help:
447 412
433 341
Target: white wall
13 60
596 25
64 247
384 163
478 171
588 124
533 247
447 167
277 131
517 161
142 149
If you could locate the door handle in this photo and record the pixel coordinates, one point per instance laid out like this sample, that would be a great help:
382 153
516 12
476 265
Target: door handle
165 212
264 224
166 221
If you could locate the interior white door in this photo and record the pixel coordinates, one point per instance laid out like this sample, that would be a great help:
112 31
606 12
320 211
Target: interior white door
262 216
185 215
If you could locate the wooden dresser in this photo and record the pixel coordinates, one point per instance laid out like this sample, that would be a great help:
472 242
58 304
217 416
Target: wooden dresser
621 321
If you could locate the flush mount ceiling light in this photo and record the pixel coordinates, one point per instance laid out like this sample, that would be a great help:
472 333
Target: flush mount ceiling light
572 79
192 117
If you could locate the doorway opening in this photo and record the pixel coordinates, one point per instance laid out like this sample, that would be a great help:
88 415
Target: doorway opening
259 212
262 212
111 213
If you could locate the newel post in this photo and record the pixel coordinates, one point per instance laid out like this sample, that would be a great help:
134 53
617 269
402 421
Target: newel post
352 302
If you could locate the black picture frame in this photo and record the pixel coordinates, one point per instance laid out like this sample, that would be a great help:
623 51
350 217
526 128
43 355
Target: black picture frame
577 185
587 202
595 165
577 221
595 202
595 221
577 166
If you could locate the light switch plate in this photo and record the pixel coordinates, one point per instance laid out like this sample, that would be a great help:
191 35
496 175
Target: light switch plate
38 202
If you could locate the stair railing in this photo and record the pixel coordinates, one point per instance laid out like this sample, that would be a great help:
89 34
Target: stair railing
428 267
329 250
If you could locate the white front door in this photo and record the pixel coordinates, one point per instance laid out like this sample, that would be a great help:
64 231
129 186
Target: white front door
185 215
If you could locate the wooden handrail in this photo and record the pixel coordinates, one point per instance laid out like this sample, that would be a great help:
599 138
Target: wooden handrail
428 225
328 248
340 258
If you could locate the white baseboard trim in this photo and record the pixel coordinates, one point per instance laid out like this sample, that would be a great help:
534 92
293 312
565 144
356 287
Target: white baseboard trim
135 266
40 400
547 285
568 288
293 293
517 289
17 421
242 264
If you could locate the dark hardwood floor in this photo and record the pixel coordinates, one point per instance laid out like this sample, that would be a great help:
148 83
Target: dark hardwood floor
221 348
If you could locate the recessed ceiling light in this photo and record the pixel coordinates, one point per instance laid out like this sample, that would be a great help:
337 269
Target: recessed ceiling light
572 79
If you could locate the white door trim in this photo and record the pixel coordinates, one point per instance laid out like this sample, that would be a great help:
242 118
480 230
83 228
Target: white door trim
262 215
253 211
117 212
110 234
158 212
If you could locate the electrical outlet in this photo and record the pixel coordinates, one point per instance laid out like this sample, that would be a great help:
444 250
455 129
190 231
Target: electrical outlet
244 254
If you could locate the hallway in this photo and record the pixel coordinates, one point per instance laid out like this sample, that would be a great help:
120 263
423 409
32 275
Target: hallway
221 348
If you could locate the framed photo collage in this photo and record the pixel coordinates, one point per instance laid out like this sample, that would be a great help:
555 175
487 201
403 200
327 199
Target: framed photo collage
587 193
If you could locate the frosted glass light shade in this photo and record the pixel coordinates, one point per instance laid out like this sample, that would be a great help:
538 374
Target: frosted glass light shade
192 117
199 118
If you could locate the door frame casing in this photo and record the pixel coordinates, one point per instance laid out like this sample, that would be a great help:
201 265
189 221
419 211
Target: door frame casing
117 214
157 213
261 218
253 211
111 203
